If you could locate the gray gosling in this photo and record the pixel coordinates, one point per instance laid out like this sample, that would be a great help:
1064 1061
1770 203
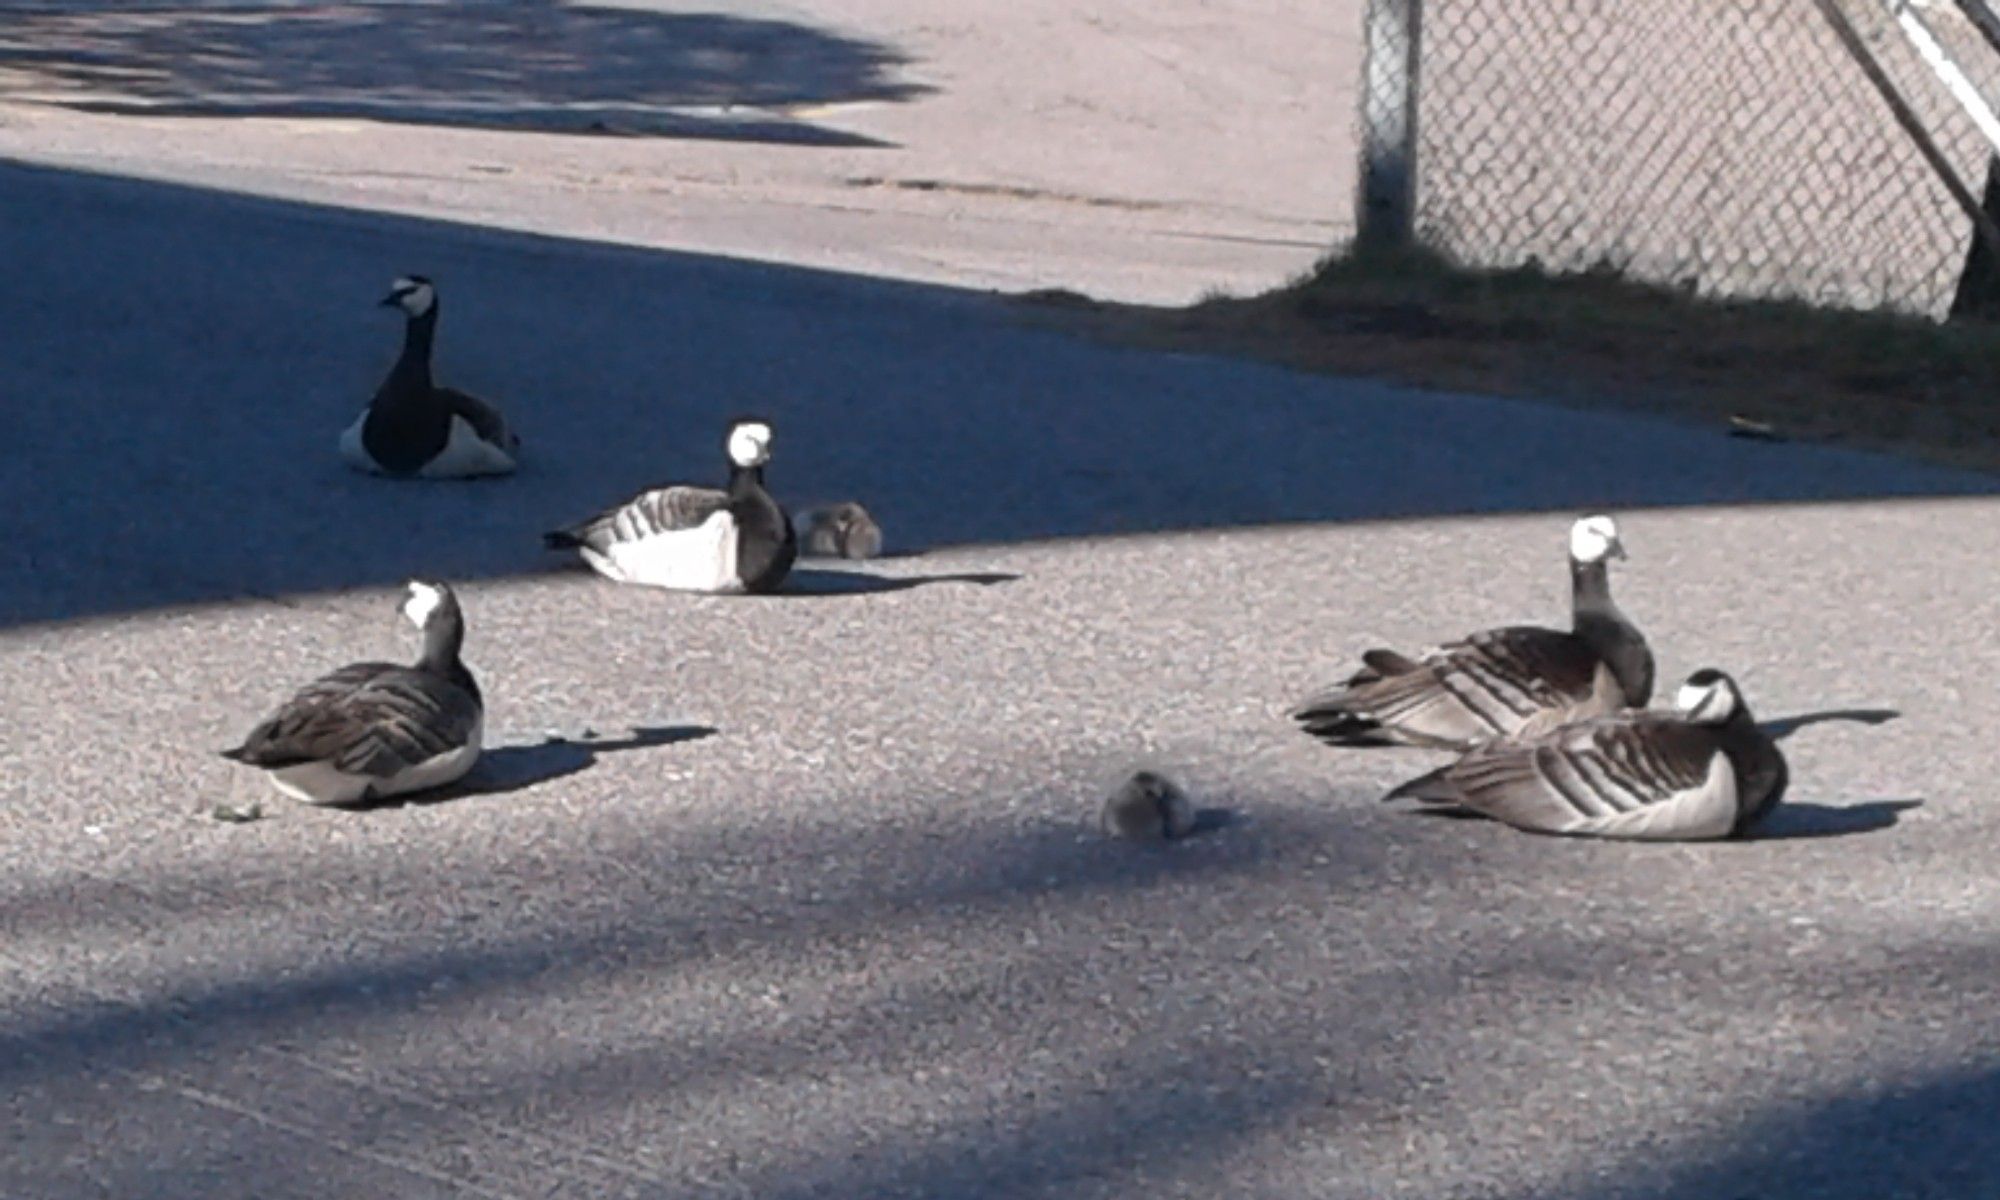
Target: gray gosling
842 531
1148 807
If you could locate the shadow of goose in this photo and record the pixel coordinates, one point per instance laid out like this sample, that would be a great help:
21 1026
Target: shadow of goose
1785 727
1446 812
1214 820
822 581
1206 821
502 770
1802 820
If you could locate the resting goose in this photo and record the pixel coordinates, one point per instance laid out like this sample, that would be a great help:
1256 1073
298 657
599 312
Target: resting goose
1148 807
373 729
841 531
415 428
1500 682
1706 771
695 539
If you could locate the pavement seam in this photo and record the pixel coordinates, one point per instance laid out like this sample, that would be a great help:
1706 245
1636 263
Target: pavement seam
214 1100
410 1094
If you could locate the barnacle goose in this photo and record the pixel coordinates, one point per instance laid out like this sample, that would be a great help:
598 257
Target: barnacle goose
1502 681
698 539
373 729
415 428
1704 771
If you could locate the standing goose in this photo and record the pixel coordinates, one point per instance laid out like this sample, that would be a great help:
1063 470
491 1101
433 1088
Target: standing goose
415 428
1501 682
695 539
375 729
1705 771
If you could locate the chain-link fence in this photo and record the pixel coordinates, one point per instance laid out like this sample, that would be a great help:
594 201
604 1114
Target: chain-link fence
1732 147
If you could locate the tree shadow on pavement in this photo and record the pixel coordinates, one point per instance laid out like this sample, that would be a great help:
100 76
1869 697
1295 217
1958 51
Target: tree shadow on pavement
978 1010
536 65
944 906
177 393
1923 1137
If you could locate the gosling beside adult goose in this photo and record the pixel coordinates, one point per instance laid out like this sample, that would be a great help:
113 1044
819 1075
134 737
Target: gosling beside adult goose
1706 771
373 729
844 530
414 428
697 539
1501 682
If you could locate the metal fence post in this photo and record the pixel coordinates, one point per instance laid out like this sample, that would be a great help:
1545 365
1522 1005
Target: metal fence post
1978 291
1387 207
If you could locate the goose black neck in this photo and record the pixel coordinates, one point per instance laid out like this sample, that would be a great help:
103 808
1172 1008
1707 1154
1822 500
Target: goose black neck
1597 621
1762 774
418 333
1590 589
744 481
444 637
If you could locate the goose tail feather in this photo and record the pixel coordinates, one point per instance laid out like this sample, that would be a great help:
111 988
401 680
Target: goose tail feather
1337 727
1430 788
255 753
1388 662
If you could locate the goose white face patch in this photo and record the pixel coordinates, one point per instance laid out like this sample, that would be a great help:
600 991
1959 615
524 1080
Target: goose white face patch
1705 703
750 444
1594 539
413 297
423 603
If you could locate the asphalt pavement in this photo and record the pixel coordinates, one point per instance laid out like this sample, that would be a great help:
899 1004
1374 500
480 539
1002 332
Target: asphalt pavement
803 896
806 898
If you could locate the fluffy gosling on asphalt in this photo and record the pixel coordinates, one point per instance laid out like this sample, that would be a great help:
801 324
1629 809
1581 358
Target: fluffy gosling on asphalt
842 531
1148 807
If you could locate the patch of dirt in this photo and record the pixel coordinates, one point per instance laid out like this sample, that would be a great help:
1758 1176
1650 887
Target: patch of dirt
1761 369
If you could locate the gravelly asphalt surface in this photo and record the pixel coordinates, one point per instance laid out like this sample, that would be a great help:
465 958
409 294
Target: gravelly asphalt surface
813 906
1168 148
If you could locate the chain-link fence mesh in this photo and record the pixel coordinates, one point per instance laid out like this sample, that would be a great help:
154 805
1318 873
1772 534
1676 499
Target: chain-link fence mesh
1732 147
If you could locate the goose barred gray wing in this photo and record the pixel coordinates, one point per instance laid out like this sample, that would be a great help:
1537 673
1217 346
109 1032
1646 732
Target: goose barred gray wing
1379 664
1491 684
372 719
485 420
1633 775
648 514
